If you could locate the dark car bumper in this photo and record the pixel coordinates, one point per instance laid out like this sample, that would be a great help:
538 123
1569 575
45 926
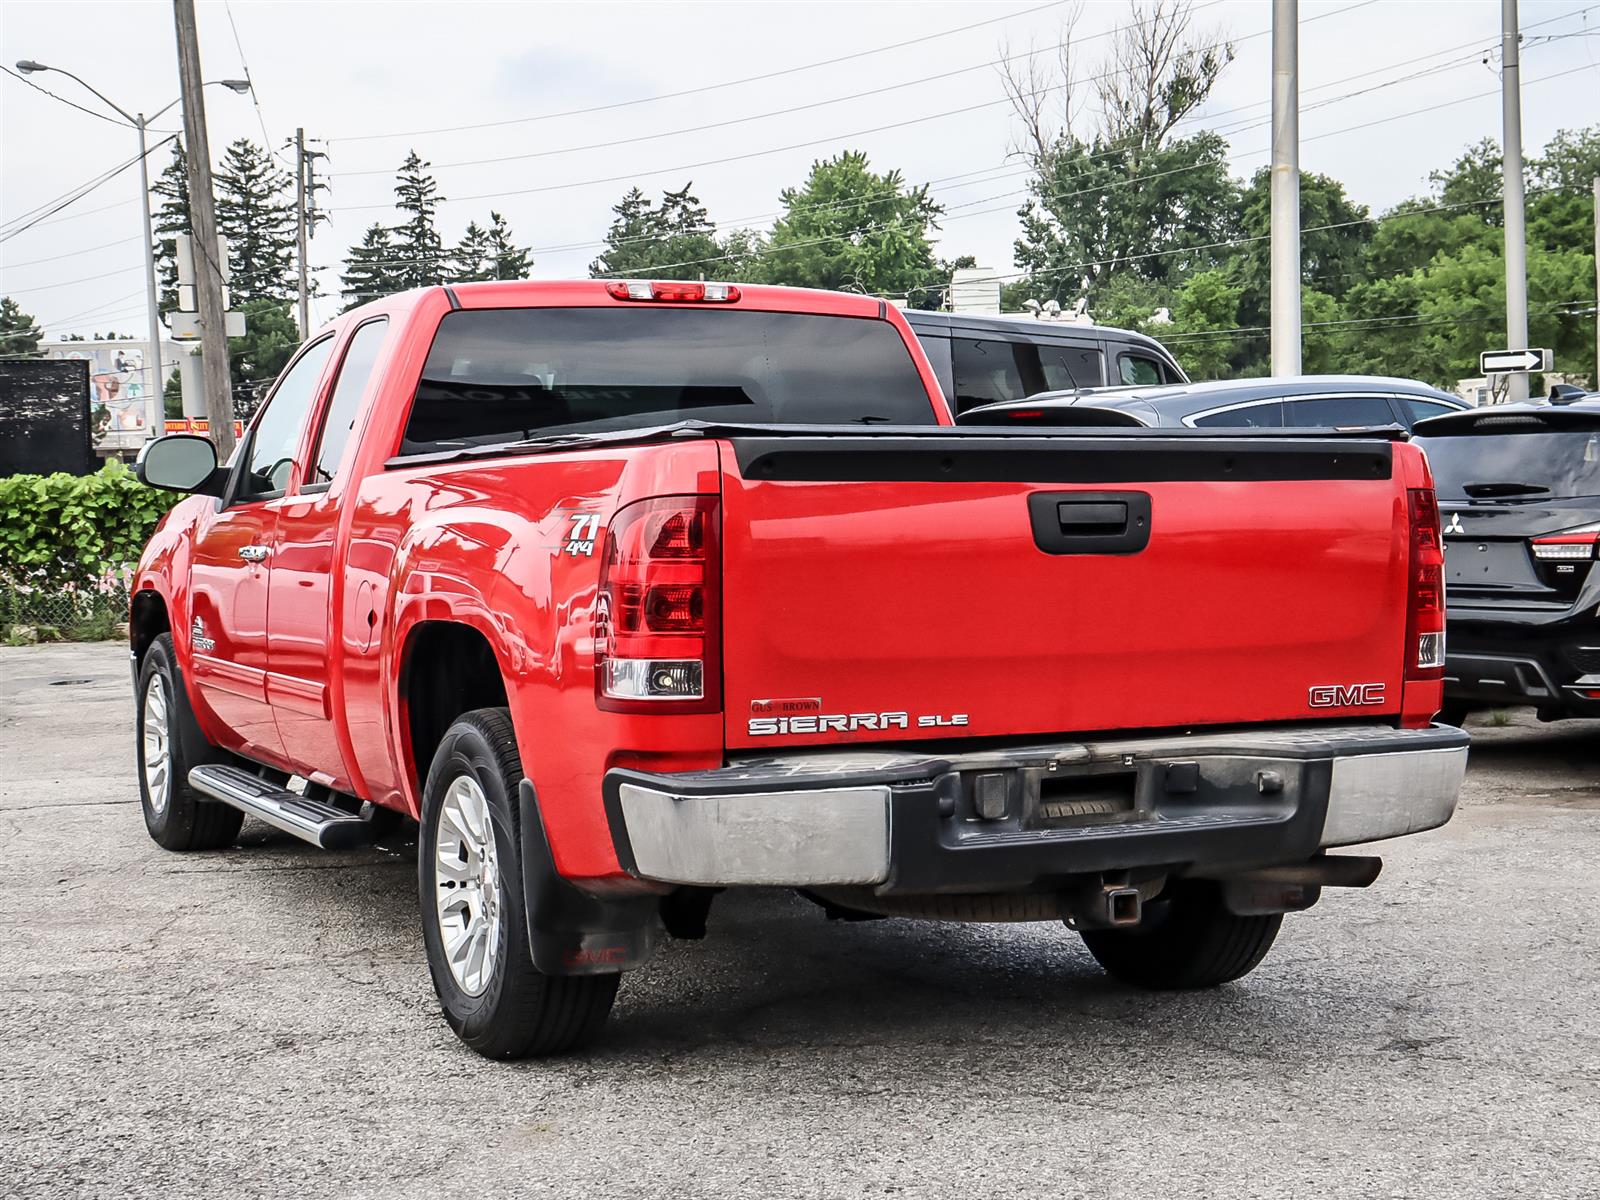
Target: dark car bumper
1019 818
1550 661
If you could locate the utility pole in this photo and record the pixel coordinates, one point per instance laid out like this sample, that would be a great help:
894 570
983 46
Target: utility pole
203 223
1285 180
301 230
305 219
1511 166
1597 281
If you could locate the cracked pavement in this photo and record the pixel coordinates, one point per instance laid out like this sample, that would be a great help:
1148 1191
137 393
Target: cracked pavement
259 1021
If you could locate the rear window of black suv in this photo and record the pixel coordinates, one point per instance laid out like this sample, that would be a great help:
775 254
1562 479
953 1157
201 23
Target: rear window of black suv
1515 464
503 375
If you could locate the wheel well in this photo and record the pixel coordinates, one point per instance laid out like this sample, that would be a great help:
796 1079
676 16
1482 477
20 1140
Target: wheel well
449 669
147 620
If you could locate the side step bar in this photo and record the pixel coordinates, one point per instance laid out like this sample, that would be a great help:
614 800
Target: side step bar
313 821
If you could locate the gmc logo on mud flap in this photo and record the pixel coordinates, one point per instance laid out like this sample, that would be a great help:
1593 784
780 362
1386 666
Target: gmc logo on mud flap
1346 695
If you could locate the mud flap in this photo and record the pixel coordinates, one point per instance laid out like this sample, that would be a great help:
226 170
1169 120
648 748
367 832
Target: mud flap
569 931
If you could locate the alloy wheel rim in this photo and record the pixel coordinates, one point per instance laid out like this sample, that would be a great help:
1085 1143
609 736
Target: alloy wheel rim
467 885
157 745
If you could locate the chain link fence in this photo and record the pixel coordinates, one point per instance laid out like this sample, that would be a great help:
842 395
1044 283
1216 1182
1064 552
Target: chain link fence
87 610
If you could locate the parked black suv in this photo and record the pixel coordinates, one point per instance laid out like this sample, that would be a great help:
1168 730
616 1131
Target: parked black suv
1519 501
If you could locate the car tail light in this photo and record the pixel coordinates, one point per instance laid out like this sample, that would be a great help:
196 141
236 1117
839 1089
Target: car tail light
1570 545
670 291
658 616
1425 588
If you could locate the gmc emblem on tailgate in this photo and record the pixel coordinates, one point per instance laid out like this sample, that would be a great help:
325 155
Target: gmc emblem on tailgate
1345 695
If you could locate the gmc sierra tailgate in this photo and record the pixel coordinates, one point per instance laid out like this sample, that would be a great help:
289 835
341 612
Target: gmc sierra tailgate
892 587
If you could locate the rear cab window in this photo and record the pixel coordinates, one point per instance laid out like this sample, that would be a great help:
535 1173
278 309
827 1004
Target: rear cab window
504 375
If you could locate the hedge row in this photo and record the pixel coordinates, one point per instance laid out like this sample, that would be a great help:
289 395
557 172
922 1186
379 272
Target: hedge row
59 530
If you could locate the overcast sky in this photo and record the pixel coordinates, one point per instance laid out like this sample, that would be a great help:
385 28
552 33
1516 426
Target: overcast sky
373 80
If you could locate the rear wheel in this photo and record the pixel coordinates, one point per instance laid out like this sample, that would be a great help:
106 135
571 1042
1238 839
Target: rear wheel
1188 939
169 743
1453 714
474 922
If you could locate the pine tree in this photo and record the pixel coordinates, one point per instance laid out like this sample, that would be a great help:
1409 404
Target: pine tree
255 213
19 333
419 246
171 218
507 259
470 260
372 269
674 241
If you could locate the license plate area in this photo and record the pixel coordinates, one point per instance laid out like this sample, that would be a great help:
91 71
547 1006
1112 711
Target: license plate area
1479 564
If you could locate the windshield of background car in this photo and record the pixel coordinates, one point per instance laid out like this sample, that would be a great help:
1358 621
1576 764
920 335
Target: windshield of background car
503 375
1568 463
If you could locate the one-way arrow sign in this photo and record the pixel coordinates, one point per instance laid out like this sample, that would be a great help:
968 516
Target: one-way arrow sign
1504 362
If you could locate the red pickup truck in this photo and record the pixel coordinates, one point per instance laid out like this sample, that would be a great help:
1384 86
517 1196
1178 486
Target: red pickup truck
631 592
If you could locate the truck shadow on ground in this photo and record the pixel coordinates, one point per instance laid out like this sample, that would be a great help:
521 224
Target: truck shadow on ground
774 975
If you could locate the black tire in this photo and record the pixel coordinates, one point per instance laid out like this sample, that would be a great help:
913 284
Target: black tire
1453 714
177 816
520 1011
1188 940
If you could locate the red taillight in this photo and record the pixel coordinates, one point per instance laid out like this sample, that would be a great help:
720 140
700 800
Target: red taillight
1425 590
657 624
672 291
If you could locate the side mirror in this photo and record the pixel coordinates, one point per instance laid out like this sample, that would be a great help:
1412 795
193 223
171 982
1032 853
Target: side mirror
181 462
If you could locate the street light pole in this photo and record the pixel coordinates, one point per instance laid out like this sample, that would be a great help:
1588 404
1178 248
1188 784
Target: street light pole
155 378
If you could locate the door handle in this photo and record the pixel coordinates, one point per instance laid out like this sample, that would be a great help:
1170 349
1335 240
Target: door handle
253 554
1090 522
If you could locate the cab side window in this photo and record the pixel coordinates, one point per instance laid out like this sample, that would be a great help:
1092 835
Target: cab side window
987 372
1337 412
1067 367
1138 370
276 434
354 373
1266 415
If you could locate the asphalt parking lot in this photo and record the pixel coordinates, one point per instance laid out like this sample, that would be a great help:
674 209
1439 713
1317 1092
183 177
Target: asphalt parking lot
260 1022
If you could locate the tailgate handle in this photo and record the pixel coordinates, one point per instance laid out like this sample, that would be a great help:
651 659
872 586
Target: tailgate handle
1090 522
1080 518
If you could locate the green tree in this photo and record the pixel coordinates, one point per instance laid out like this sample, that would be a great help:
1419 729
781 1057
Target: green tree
850 228
171 218
1205 315
470 260
271 336
372 269
507 260
19 332
255 212
673 240
418 246
1475 179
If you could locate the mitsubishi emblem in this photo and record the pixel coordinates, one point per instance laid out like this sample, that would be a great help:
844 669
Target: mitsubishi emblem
1455 524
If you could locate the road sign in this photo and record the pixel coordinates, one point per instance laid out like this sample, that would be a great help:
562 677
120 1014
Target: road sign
1505 362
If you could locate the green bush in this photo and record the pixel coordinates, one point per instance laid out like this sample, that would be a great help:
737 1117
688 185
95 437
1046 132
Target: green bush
67 547
64 529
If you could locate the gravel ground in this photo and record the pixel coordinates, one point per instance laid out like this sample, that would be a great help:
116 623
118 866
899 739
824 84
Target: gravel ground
259 1021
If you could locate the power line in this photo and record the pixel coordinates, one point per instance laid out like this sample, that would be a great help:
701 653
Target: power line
1397 321
712 87
255 99
84 191
34 262
798 108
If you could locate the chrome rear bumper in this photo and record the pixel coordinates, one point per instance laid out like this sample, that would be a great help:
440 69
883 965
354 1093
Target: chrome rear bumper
907 822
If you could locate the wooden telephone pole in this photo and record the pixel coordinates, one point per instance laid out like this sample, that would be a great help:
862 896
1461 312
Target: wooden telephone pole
203 223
